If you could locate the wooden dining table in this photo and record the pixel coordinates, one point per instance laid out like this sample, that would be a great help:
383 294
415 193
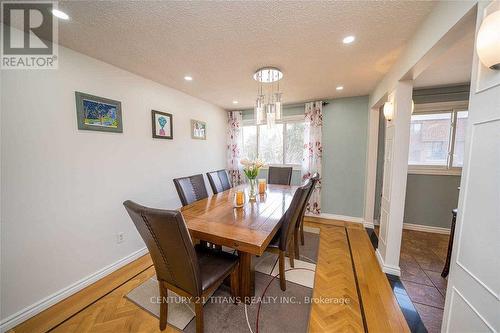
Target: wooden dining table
247 229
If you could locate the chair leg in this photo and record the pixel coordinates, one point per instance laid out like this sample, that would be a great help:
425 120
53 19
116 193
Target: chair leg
291 253
282 270
163 306
235 286
198 309
302 231
296 243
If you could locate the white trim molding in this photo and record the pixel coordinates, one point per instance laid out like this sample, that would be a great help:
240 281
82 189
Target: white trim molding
426 170
345 218
369 225
389 269
34 309
426 228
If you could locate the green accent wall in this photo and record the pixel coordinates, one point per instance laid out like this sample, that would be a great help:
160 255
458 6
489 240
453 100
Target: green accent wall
345 130
430 199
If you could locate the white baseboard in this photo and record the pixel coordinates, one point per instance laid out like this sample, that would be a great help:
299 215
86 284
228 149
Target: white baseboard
369 225
389 269
425 228
338 217
32 310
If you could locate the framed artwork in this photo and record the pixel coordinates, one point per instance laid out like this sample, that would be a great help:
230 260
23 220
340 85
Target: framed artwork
98 113
162 125
198 130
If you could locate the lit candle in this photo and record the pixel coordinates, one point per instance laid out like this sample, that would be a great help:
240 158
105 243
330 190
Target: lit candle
262 186
240 198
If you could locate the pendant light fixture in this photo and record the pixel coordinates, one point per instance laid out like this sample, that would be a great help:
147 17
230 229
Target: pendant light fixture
268 105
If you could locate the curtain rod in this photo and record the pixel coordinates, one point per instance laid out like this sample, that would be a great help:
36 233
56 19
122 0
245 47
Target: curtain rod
285 106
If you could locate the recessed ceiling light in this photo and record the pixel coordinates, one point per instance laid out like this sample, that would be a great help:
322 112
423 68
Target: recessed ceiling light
235 102
340 88
188 78
348 39
60 14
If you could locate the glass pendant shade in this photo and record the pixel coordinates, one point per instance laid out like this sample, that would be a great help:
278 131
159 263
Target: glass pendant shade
278 106
270 114
260 113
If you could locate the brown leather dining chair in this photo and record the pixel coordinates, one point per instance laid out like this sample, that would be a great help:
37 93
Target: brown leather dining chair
299 227
279 175
189 271
190 189
219 181
282 242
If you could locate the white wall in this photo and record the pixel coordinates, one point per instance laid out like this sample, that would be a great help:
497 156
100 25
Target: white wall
62 189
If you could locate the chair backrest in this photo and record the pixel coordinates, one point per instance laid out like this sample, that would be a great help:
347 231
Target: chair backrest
219 181
279 175
314 181
292 215
190 189
169 244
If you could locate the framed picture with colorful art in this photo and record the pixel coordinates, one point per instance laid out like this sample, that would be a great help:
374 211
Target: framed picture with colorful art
162 125
198 129
98 113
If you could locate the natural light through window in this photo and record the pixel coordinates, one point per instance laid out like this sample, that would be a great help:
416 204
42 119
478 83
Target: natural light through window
282 144
437 139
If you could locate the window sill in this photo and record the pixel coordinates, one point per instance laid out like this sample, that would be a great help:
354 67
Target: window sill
294 167
412 170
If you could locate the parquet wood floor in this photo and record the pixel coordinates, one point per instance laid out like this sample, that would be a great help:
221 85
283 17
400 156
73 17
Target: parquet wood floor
335 282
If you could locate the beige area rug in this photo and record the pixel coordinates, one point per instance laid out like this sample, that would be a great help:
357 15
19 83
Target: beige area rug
270 303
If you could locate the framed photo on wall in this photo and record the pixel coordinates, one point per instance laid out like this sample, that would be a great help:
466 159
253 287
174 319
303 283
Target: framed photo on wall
198 130
162 125
98 113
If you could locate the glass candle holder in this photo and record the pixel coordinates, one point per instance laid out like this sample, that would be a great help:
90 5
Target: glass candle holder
239 199
262 186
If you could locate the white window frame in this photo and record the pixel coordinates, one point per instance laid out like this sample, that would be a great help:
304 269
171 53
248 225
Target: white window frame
434 108
285 121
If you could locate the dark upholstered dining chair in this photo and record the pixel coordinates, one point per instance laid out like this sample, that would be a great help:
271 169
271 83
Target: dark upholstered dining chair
186 270
283 241
219 181
279 175
299 227
190 189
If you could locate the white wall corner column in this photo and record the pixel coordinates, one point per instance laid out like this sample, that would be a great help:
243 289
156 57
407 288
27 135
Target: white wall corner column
371 166
397 139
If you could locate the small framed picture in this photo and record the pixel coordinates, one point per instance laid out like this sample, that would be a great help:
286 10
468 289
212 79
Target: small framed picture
198 130
162 125
98 113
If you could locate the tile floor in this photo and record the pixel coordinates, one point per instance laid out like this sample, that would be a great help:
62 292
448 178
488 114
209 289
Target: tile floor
422 260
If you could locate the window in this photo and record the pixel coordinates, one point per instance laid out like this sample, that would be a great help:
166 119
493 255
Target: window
249 142
277 145
437 140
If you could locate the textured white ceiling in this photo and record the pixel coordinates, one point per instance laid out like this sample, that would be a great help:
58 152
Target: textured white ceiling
221 44
453 66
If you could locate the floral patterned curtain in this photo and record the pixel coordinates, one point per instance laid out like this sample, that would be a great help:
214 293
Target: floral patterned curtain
233 147
313 151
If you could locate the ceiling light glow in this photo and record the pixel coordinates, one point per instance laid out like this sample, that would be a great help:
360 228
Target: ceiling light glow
235 102
340 88
59 14
348 39
188 78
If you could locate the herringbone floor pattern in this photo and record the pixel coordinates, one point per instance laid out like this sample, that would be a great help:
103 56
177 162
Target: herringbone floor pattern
337 307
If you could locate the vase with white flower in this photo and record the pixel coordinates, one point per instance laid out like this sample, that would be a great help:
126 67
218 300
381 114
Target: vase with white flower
251 169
